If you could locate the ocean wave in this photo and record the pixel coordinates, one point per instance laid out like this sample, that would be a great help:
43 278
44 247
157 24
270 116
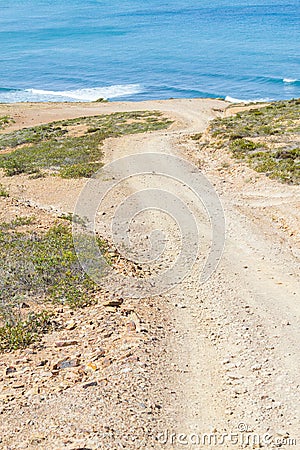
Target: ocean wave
290 80
238 100
76 95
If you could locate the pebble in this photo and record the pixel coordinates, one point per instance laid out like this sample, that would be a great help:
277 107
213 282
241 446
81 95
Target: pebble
234 376
10 370
65 343
256 367
114 302
66 363
70 325
90 384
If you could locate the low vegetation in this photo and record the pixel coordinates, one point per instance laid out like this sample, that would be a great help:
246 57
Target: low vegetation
40 271
21 333
5 121
267 138
70 148
3 191
41 267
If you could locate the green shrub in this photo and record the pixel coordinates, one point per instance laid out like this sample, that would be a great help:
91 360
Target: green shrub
4 121
21 333
3 191
280 120
53 149
40 265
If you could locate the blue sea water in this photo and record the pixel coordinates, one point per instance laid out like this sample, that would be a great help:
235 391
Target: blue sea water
80 50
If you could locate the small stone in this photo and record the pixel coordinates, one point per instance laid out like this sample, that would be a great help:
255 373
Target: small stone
234 376
46 374
42 363
131 326
91 384
65 343
226 361
114 302
66 363
9 370
106 362
17 385
98 353
24 305
256 367
112 309
283 433
70 325
91 366
240 390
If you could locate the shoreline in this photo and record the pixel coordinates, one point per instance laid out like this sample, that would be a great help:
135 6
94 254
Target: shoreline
30 113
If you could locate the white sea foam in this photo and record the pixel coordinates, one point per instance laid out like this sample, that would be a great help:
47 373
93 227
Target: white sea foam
90 94
235 100
290 80
81 95
238 100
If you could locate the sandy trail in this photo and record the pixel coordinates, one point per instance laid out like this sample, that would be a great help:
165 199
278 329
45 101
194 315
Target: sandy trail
232 360
235 347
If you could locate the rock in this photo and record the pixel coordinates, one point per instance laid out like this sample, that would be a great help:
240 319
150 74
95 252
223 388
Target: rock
66 363
24 305
42 363
256 367
90 384
46 374
114 302
17 385
65 343
106 362
282 433
240 390
99 353
131 326
234 376
134 318
226 361
112 309
9 370
91 366
70 325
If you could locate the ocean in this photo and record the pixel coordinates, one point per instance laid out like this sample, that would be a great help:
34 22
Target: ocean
81 50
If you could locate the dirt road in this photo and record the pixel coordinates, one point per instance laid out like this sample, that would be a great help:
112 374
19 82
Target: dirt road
230 365
235 343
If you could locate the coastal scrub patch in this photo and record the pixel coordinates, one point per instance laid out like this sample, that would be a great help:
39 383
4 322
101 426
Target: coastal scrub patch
18 333
267 138
41 268
3 191
5 121
38 265
70 148
276 118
